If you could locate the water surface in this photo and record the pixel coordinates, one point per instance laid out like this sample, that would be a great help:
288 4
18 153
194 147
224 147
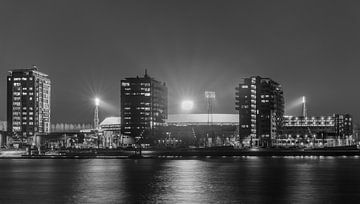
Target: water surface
206 180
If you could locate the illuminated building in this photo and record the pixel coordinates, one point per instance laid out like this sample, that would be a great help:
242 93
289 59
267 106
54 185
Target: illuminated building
337 126
193 130
143 105
28 103
260 103
110 128
202 119
186 129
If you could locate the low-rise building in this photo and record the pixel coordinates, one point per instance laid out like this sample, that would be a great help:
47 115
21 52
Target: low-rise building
337 129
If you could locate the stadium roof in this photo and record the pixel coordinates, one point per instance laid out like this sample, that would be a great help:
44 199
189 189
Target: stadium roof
185 119
110 121
202 119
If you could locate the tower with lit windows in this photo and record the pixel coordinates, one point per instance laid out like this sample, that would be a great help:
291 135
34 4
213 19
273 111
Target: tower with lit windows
143 105
28 104
260 103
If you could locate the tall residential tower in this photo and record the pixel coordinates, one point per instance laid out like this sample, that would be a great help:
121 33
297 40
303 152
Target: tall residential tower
260 103
143 105
28 103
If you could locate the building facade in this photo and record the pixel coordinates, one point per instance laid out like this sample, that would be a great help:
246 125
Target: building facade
28 104
337 126
260 103
143 105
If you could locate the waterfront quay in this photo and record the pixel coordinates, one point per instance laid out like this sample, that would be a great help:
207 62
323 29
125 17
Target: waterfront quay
189 153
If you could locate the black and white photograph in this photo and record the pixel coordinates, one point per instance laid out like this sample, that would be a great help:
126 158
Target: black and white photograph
179 101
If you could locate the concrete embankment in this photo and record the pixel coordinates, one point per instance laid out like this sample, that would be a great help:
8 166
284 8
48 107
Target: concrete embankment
186 153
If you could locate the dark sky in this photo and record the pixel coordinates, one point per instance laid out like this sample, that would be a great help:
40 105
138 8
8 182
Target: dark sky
311 47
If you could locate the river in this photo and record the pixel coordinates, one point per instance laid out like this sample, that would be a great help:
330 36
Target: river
196 180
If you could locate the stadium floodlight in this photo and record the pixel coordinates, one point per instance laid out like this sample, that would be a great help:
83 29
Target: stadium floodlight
304 111
187 105
210 94
96 113
97 101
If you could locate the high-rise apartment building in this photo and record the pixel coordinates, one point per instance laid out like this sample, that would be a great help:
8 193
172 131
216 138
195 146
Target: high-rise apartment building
260 103
28 103
143 105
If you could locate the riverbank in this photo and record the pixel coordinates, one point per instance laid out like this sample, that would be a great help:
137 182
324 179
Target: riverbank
188 153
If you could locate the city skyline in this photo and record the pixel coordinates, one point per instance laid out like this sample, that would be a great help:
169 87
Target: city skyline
309 48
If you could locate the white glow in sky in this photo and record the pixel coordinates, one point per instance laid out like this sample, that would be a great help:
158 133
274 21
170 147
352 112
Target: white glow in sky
187 105
97 101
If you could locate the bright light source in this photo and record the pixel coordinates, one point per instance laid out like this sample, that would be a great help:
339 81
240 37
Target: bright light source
97 101
210 94
187 105
303 99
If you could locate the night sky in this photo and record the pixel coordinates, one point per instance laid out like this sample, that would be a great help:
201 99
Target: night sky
312 48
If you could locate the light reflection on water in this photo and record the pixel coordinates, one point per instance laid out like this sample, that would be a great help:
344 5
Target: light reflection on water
200 180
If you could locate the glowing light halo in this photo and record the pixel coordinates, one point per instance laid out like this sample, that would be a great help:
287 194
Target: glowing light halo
97 101
187 105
